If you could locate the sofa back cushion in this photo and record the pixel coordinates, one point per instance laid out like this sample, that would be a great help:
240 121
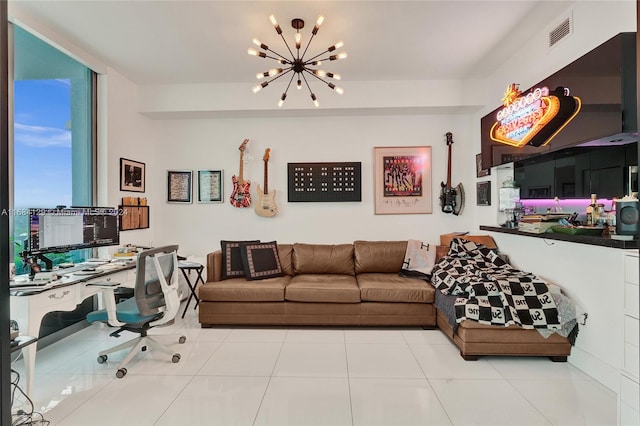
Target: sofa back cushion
379 256
285 252
323 259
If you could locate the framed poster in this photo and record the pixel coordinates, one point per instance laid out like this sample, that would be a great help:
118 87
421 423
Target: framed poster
480 172
483 193
210 187
179 186
131 175
402 180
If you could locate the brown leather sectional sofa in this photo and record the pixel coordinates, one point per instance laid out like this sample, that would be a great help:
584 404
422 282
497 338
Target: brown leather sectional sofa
341 284
353 285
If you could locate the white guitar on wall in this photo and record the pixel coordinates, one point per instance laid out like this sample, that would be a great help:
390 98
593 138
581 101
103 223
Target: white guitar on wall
266 203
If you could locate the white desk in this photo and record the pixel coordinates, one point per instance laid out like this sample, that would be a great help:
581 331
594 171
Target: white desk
29 306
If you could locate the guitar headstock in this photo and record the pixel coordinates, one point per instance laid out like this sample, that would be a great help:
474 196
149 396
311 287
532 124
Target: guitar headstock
265 158
243 145
449 136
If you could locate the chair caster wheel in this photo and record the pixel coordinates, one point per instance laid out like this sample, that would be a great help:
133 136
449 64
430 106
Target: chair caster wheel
175 358
144 348
102 359
121 373
182 339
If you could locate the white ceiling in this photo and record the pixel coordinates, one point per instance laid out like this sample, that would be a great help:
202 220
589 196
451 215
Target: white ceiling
174 42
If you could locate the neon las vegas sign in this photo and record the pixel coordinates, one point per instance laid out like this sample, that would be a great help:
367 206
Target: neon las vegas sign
534 118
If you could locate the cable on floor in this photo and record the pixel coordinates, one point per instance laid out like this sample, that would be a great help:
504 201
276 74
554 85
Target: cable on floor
22 417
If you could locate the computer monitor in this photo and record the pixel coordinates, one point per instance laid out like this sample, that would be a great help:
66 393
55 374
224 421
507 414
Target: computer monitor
61 230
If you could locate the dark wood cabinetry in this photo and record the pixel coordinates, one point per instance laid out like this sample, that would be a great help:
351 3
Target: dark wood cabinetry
608 171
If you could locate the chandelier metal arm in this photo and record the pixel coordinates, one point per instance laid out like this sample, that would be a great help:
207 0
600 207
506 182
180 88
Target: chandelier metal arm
307 83
318 77
307 47
281 57
286 71
287 44
319 54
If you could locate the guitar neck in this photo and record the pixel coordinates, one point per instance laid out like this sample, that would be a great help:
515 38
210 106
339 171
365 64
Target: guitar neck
449 169
240 178
266 179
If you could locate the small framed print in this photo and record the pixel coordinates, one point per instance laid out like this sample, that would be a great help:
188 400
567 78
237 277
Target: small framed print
210 187
179 186
131 175
483 193
480 172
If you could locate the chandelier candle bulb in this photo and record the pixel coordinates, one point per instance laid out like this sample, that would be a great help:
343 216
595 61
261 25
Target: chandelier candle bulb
260 44
338 45
298 40
315 100
275 24
260 86
282 98
254 52
317 26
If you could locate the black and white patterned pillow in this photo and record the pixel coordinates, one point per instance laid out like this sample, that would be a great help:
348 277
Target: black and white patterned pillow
232 265
261 260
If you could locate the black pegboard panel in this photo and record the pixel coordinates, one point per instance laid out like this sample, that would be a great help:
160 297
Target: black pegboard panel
324 182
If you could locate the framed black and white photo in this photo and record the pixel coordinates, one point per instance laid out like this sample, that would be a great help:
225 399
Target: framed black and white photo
210 186
480 172
179 186
131 175
483 193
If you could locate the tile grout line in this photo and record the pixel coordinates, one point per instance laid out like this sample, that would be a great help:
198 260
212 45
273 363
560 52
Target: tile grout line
266 388
429 381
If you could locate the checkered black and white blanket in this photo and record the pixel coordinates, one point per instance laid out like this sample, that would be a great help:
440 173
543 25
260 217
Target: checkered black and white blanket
491 291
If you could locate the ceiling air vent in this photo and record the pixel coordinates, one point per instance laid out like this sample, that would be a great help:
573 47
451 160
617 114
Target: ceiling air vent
559 32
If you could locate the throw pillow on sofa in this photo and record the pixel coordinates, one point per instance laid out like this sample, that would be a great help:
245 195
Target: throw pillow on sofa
232 265
261 260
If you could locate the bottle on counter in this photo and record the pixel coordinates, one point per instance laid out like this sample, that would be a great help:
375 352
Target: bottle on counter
557 208
599 216
591 210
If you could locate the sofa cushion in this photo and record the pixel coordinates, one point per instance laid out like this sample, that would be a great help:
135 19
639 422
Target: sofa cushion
232 265
323 259
379 256
261 260
243 290
394 288
285 252
331 288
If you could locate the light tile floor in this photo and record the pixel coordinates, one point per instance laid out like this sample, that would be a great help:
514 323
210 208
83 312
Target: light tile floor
307 376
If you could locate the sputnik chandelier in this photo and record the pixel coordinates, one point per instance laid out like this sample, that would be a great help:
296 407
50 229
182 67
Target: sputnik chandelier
298 66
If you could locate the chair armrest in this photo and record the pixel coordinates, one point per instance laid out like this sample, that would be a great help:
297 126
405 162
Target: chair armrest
109 300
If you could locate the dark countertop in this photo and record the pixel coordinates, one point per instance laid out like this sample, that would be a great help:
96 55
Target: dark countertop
579 239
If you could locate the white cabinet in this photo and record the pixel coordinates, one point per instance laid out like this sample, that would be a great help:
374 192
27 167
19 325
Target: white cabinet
629 395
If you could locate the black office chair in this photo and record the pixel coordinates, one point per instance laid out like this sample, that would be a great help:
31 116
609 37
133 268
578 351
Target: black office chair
155 303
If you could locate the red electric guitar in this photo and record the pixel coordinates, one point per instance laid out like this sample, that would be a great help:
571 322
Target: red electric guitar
241 197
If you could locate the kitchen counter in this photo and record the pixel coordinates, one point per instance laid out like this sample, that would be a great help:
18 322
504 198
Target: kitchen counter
579 239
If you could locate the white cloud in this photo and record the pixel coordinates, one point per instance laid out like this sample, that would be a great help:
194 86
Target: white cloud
42 137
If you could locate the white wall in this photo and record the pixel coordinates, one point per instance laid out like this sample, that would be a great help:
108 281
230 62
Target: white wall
124 133
213 144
